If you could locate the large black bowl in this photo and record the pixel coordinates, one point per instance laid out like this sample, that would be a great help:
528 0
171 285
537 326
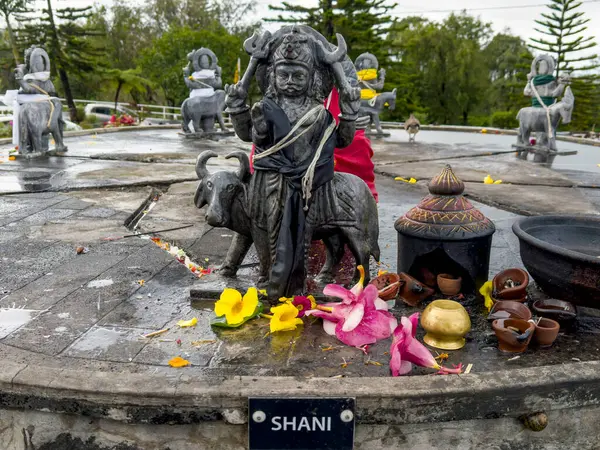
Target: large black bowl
562 254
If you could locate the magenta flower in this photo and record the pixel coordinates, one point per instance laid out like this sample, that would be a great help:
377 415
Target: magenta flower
304 304
359 319
406 350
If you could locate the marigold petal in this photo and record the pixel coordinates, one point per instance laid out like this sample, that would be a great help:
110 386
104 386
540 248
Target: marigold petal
178 361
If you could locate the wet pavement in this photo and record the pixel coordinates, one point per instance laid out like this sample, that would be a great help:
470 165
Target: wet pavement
91 310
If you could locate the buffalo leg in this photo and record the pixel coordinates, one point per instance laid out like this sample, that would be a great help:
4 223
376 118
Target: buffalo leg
334 252
264 257
360 250
235 255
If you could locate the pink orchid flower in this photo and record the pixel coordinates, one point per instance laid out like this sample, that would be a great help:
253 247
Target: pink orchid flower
359 319
406 350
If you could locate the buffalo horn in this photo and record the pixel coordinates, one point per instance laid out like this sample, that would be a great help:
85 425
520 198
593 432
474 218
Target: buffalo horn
201 169
242 157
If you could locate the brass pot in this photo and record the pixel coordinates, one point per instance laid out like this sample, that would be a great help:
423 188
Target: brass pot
446 323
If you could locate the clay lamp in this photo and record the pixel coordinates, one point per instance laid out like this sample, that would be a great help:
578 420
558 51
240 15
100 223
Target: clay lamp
563 312
546 331
412 291
449 284
509 309
510 284
388 285
513 335
446 323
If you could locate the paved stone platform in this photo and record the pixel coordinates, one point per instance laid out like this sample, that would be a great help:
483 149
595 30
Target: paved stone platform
91 309
71 325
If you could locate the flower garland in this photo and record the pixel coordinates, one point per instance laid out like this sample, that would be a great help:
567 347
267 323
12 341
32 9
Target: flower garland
181 256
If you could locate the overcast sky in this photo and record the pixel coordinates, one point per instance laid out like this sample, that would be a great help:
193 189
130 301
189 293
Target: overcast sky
516 17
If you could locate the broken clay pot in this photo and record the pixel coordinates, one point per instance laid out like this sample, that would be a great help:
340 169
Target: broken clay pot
546 331
413 291
509 309
563 312
388 285
449 284
511 284
513 335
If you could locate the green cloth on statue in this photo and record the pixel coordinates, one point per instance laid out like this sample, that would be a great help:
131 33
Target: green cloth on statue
547 101
540 80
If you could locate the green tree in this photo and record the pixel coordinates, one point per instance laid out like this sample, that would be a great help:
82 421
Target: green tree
10 8
564 27
164 58
508 60
126 81
363 23
446 65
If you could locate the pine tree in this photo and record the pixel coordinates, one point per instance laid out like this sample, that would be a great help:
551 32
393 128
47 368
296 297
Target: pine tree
67 42
564 26
363 23
13 8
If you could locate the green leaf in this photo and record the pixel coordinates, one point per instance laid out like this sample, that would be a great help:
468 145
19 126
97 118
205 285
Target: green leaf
221 321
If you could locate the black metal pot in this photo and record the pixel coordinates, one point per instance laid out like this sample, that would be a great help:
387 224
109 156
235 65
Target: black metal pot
562 254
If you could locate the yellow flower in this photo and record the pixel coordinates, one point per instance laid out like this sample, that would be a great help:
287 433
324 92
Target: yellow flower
381 272
286 299
486 291
263 292
410 180
234 307
490 180
188 323
285 318
178 361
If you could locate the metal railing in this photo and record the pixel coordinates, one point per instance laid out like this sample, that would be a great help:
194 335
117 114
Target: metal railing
152 111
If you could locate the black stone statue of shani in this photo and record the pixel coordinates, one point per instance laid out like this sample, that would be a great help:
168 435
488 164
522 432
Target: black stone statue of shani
294 195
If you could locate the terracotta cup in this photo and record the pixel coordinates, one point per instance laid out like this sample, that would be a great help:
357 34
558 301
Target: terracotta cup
546 331
388 285
449 284
512 341
518 292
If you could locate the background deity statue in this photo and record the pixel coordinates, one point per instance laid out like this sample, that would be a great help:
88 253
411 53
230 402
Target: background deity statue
294 136
37 111
202 76
545 113
370 81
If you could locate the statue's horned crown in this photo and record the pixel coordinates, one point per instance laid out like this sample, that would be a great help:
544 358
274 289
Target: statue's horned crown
295 49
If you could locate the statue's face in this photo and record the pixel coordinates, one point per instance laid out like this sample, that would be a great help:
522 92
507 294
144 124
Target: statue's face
291 79
204 62
542 67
